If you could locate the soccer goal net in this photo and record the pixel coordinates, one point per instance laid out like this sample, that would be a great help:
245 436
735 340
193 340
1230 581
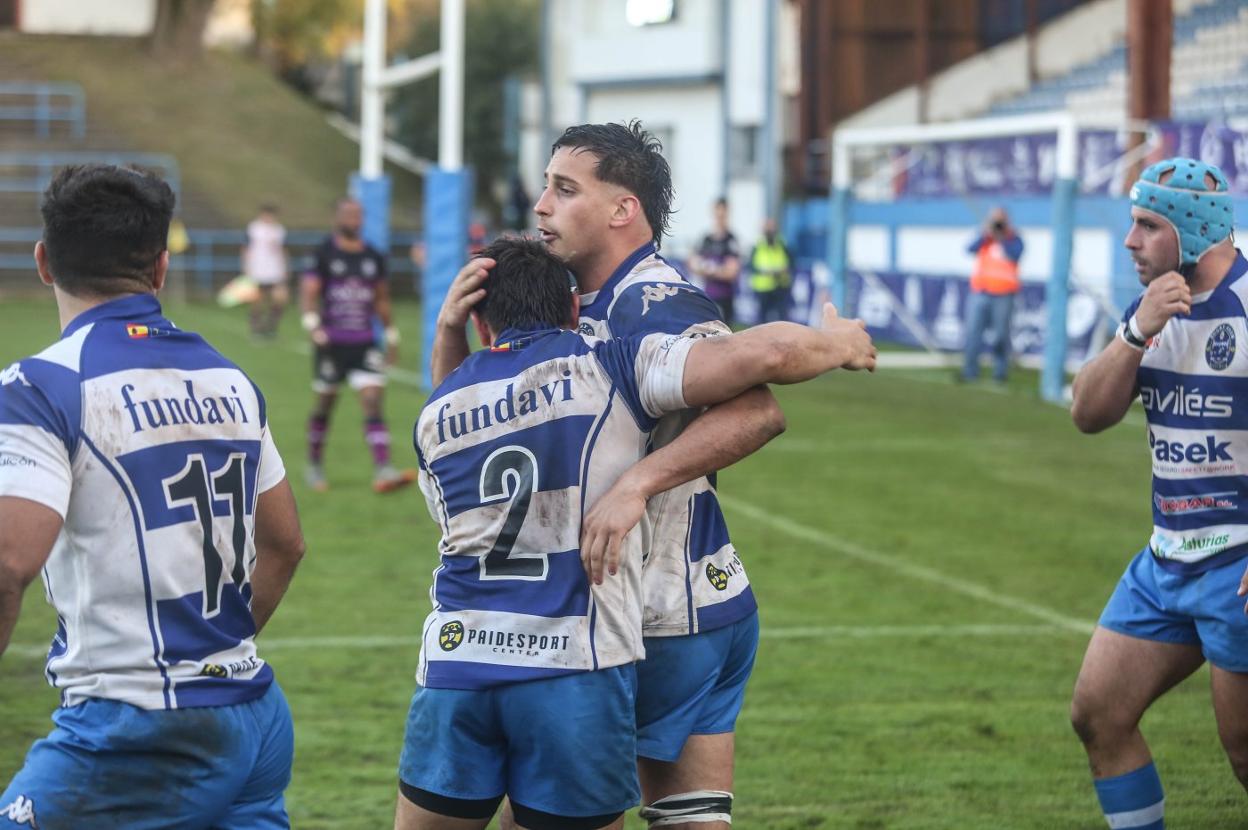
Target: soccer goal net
907 202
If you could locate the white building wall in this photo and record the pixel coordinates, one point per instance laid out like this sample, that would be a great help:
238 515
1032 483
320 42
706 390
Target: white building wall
679 116
609 48
604 69
88 17
746 73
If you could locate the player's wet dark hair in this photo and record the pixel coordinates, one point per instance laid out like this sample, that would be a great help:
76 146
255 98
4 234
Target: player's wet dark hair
632 158
105 227
529 287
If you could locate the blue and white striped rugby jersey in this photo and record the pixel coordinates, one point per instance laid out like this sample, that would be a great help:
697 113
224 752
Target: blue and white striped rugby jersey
693 578
515 446
153 448
1193 382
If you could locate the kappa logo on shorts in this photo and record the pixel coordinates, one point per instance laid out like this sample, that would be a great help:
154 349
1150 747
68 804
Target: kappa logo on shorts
21 811
1220 347
717 577
451 635
12 375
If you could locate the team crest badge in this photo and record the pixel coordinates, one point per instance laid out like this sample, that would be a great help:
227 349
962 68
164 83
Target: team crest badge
586 329
718 578
368 268
451 635
1220 347
213 670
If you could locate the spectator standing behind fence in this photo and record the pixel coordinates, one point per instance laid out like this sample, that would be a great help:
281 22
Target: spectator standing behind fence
994 284
264 260
718 262
771 274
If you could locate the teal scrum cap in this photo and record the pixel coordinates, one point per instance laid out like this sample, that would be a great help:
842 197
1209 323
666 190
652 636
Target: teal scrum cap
1201 215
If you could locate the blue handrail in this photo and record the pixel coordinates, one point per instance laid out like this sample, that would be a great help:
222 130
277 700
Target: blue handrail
44 102
212 257
30 172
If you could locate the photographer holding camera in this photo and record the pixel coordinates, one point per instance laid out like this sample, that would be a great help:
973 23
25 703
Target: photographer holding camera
994 284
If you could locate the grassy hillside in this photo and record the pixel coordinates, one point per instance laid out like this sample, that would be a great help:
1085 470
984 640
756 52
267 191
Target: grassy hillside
241 136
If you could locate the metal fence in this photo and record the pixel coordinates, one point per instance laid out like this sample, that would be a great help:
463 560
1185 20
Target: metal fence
212 258
44 103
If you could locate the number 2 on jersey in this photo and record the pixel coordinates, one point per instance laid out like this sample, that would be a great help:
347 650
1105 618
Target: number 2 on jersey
511 473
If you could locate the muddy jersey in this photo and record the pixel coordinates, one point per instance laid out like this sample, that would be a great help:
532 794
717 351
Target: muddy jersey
153 448
693 578
515 446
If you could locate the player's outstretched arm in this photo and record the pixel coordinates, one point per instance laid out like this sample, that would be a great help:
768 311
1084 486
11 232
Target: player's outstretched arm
719 368
279 547
30 531
450 339
1105 387
716 439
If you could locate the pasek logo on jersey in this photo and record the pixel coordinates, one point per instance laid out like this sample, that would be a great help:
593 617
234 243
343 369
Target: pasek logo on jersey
192 409
1210 451
504 409
1180 401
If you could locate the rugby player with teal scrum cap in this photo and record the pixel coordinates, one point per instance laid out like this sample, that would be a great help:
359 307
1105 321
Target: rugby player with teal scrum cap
1177 605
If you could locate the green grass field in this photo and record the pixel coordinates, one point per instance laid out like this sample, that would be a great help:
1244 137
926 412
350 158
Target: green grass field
929 559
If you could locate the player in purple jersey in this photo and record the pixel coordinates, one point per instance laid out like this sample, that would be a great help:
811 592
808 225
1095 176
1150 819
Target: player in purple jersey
344 289
604 210
1176 606
139 478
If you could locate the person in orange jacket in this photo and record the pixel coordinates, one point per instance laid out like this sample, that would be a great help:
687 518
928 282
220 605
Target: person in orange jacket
994 285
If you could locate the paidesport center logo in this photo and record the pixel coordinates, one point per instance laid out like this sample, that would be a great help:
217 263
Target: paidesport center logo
451 635
1220 347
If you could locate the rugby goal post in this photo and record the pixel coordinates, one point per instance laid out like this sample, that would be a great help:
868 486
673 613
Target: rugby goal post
448 186
849 145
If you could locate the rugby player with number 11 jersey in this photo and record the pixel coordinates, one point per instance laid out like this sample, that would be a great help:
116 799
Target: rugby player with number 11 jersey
138 475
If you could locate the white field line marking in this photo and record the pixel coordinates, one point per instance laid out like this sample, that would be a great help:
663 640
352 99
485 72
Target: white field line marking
910 569
917 360
813 632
